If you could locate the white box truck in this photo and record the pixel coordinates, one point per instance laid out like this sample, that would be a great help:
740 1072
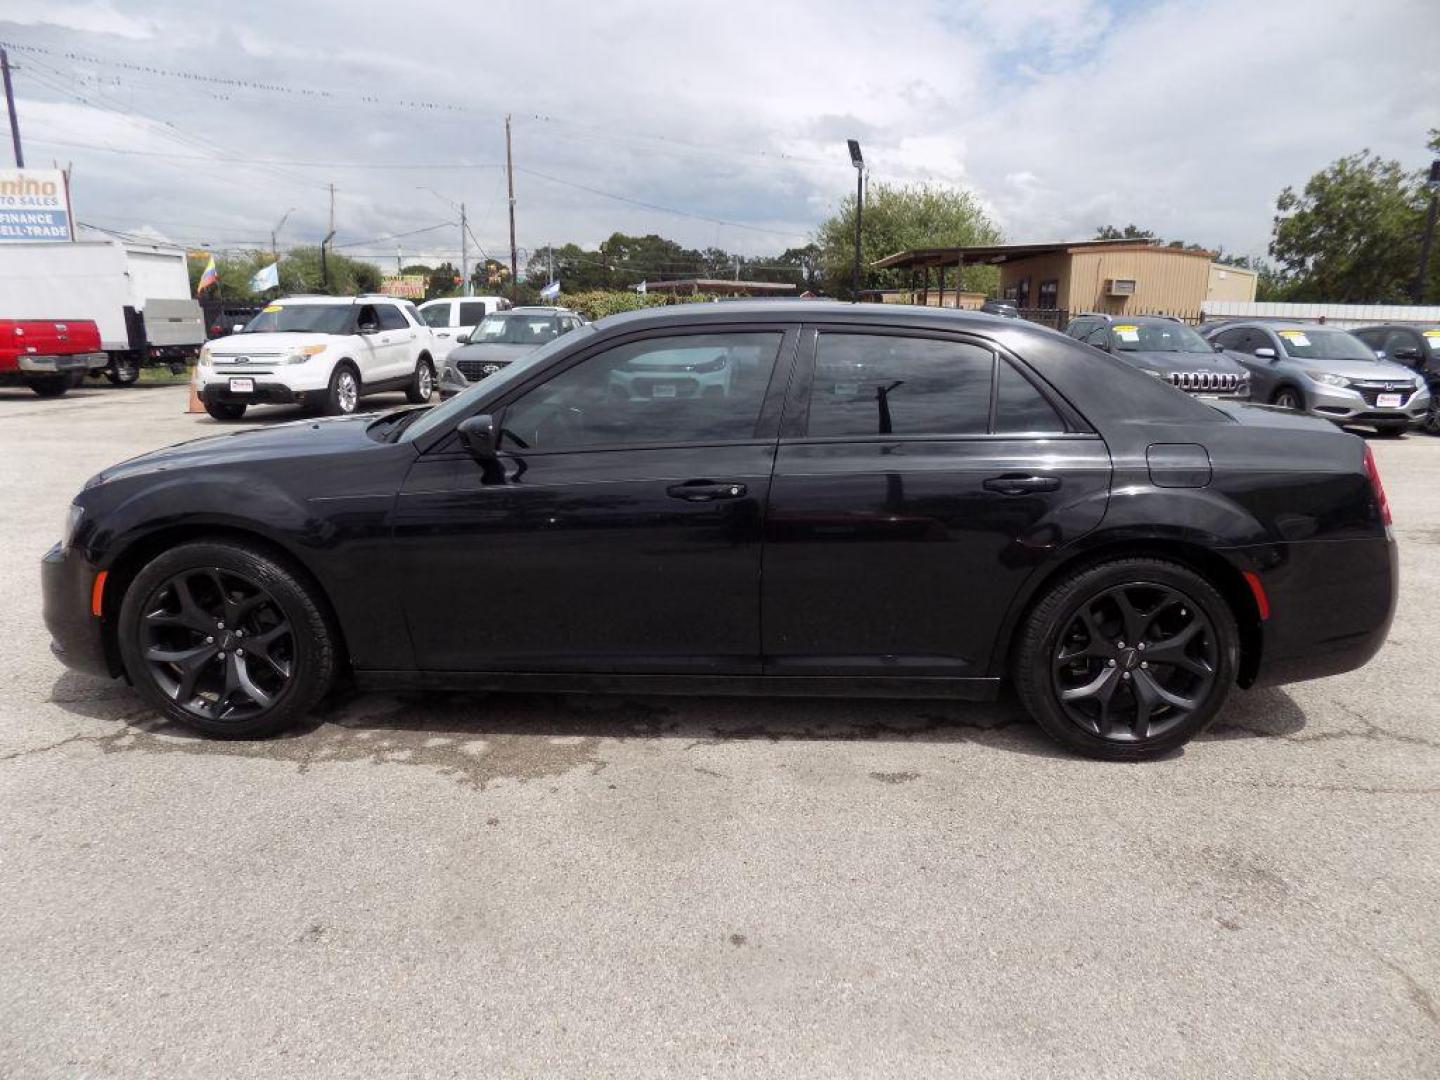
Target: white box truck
137 294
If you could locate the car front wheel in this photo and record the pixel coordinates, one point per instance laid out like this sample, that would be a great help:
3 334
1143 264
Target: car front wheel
225 410
422 383
1128 659
343 394
226 639
1287 398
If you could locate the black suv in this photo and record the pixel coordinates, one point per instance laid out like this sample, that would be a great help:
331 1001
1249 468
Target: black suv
1416 346
1166 348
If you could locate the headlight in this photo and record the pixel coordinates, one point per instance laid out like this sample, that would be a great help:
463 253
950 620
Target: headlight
204 360
1326 378
72 523
1419 383
301 355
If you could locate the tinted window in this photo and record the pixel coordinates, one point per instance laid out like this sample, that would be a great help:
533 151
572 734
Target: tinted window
390 317
436 315
1232 339
302 319
1079 328
1372 338
1019 407
880 385
1099 337
1398 341
683 389
471 312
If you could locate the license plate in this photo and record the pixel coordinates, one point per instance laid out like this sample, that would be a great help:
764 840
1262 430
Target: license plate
1389 401
663 390
242 386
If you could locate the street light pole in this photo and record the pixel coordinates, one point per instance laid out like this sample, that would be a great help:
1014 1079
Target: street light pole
859 162
1417 291
275 233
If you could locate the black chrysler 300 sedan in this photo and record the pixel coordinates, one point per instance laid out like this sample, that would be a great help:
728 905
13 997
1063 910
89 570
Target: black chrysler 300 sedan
849 500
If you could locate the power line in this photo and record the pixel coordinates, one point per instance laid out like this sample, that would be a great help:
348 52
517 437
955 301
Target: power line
268 161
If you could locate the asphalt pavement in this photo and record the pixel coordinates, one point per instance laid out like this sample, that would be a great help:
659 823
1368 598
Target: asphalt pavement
494 886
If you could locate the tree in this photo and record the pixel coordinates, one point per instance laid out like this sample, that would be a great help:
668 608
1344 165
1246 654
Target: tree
444 280
898 218
1352 234
1129 232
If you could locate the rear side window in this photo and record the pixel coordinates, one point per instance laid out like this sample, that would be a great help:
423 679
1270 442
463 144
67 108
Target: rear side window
436 315
471 312
871 384
1020 409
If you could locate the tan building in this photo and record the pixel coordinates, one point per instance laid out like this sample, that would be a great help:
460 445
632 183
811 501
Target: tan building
1115 276
1230 283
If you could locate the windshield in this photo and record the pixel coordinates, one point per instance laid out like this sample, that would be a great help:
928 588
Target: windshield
1432 339
301 319
507 376
1159 337
1317 343
508 328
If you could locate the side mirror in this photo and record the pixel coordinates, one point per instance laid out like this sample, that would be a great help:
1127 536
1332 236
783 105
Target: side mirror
1217 346
1409 353
1265 353
480 436
366 329
462 339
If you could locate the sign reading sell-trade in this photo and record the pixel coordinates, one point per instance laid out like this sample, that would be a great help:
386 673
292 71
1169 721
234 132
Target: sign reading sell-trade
33 205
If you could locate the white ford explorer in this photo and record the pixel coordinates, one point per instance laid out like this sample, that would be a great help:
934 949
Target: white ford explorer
321 351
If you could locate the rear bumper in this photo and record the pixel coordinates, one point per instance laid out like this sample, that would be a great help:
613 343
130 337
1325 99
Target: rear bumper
1331 605
51 365
77 637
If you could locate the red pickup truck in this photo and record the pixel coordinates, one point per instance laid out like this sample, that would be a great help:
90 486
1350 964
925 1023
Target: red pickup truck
48 355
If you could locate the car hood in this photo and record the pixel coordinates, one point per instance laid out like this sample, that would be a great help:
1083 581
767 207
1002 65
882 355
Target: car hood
1363 370
293 441
259 344
1168 363
496 352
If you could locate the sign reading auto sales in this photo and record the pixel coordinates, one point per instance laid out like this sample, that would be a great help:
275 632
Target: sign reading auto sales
33 205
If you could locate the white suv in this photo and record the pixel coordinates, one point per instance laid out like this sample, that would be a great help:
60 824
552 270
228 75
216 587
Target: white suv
453 318
323 351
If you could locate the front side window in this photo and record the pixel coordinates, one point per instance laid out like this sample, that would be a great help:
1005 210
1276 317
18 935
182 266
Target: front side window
390 317
869 384
692 388
436 315
1234 339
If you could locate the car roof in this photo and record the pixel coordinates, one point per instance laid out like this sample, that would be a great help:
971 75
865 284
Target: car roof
1422 327
537 309
1169 320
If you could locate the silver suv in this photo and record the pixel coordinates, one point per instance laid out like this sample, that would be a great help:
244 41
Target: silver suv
1324 371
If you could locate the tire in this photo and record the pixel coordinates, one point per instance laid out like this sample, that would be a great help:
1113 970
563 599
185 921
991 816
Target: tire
1391 431
1431 423
224 410
342 397
422 383
1287 397
1073 641
234 598
49 386
123 371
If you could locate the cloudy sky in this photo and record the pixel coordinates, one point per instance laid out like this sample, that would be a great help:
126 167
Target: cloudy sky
714 124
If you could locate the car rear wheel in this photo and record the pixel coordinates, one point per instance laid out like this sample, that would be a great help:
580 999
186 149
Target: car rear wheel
1432 417
226 639
123 371
343 394
1128 659
1287 398
50 385
422 383
224 410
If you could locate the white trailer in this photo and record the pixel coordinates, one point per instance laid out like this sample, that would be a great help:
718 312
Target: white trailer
138 294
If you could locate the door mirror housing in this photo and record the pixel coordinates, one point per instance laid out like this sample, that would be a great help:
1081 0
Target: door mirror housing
1409 353
462 339
1217 346
480 436
1265 353
366 329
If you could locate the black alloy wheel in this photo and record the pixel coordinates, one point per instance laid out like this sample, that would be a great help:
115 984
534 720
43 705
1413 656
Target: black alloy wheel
1134 662
225 639
1127 659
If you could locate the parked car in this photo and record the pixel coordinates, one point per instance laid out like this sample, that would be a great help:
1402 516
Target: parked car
501 338
1416 347
1166 348
49 355
454 318
1326 372
323 351
941 501
1004 308
223 319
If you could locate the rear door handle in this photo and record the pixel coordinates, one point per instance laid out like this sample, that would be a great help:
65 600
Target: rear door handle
706 490
1018 484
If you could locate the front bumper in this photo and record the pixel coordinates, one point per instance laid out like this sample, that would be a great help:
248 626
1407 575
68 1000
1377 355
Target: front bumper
1344 405
51 365
265 393
77 637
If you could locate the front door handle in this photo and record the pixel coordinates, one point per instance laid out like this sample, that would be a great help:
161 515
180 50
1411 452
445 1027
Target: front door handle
706 490
1020 484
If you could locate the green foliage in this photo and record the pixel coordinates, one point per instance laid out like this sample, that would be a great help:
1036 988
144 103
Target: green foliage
897 219
597 303
1352 234
1129 232
299 273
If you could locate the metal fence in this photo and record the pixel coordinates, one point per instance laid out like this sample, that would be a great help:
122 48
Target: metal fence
1059 318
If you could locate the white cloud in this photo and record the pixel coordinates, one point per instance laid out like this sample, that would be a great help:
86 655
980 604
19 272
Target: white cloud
94 17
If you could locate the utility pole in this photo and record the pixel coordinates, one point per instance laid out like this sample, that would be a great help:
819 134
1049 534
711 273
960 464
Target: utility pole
10 104
859 163
1417 291
465 289
510 184
324 244
550 264
275 233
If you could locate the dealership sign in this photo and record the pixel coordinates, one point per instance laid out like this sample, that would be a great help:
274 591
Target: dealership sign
410 286
33 205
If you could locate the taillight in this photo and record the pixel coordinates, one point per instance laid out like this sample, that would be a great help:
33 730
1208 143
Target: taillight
1377 487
